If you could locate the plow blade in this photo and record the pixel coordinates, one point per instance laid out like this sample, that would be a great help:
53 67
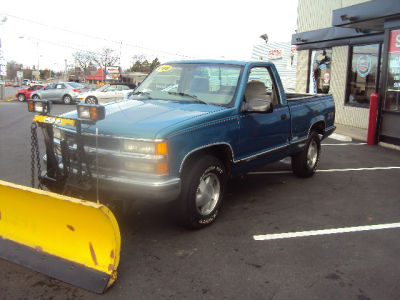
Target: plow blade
73 240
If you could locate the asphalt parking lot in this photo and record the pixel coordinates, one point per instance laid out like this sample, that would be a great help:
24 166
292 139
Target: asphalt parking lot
355 194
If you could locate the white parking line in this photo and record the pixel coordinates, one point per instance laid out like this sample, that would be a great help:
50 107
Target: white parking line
340 137
289 235
328 170
344 144
360 169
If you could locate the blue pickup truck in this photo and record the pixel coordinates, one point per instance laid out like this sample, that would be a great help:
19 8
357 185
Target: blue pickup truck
191 125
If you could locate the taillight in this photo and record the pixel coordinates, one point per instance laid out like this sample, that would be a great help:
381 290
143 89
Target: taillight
77 90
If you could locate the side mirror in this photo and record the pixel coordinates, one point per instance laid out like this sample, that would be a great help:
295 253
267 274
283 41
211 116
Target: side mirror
257 105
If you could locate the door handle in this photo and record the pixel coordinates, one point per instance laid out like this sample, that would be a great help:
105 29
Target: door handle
283 117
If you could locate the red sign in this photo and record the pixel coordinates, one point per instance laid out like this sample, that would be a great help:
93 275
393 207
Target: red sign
394 41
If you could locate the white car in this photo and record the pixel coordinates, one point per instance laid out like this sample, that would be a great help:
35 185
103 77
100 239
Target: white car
107 93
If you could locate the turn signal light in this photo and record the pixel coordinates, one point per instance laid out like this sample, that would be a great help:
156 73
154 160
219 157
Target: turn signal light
161 148
162 168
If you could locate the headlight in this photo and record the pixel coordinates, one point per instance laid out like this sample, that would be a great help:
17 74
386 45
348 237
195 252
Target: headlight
91 112
39 106
145 147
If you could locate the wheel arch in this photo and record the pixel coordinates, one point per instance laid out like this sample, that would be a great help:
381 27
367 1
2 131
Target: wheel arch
223 151
318 126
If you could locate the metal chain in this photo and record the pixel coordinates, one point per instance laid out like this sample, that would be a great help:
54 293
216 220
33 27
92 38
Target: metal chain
35 156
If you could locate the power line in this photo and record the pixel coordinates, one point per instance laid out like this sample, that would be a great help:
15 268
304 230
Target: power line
95 37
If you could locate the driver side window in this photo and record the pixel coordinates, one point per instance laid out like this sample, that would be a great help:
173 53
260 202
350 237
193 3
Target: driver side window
262 77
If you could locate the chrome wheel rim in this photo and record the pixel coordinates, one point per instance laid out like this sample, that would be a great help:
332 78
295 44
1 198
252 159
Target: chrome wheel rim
208 193
67 100
312 154
21 98
91 101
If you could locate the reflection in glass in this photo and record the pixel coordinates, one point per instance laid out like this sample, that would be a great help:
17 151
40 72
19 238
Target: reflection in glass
320 75
363 79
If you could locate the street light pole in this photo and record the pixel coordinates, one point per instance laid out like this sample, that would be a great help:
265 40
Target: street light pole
2 77
66 70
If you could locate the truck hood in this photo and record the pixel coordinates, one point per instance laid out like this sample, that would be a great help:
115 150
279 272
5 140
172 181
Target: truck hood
144 119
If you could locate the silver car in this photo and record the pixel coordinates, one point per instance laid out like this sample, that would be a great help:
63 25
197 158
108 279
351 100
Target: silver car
107 93
65 92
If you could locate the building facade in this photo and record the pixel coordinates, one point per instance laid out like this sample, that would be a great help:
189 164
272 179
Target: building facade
351 49
284 56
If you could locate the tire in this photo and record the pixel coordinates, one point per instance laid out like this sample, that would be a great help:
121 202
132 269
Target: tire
35 97
305 163
21 97
67 99
203 186
91 100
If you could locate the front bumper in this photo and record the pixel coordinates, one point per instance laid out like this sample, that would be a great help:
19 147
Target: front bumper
151 189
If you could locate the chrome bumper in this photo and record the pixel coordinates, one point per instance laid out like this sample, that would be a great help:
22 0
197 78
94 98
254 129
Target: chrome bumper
152 189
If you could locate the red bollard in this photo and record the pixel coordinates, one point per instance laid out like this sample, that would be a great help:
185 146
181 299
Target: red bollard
373 109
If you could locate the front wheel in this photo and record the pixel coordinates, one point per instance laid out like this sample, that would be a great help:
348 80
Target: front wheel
203 186
305 163
36 97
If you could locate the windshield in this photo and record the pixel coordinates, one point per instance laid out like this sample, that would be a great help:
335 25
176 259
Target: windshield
102 88
75 85
203 83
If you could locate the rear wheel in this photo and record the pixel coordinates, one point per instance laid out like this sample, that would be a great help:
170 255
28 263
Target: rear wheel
35 97
67 99
21 98
203 186
305 163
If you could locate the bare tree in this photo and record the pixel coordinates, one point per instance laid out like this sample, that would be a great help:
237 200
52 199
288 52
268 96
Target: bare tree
105 58
84 59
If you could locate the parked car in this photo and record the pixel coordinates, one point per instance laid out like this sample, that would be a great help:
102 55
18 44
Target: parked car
107 93
24 94
26 82
64 92
189 127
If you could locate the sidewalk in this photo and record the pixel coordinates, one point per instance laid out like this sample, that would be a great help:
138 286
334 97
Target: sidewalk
353 132
359 134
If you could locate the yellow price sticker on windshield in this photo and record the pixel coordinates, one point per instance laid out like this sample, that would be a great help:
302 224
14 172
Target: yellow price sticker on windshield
164 68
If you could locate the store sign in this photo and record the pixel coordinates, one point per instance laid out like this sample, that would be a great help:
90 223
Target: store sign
364 64
112 70
275 54
35 73
394 41
393 83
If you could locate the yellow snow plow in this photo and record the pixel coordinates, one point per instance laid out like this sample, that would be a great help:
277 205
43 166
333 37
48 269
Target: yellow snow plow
67 238
70 239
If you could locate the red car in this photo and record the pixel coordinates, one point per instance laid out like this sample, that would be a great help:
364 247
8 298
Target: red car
24 94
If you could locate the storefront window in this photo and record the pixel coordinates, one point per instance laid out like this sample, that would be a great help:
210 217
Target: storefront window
363 77
392 95
320 71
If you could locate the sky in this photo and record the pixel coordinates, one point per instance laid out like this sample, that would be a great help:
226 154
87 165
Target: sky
48 32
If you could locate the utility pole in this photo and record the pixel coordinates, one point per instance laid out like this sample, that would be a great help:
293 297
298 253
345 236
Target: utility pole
66 70
3 64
